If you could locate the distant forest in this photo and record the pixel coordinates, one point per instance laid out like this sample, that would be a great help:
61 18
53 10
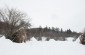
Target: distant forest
51 33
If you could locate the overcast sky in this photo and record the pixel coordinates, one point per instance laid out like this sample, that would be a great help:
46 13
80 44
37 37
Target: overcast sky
52 13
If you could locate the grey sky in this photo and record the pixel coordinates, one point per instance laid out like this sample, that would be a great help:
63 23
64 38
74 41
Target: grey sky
57 13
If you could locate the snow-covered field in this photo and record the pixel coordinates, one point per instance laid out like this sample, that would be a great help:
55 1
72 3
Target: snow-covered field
41 47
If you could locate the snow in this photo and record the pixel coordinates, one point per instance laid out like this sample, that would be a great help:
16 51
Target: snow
43 38
33 39
35 47
52 40
70 39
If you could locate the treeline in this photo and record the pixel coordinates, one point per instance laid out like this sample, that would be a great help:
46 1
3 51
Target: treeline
51 33
47 32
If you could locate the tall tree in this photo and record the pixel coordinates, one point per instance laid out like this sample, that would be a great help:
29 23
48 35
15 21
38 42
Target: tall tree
13 19
61 30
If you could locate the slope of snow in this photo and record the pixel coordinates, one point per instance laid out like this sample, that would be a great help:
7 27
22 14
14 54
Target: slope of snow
33 39
78 41
41 48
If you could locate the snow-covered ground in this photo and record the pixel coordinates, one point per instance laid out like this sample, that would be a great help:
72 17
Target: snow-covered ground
35 47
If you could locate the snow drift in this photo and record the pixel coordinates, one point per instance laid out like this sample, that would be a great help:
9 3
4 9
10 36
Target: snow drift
34 47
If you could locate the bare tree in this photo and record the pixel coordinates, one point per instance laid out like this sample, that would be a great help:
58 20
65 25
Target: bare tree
13 19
